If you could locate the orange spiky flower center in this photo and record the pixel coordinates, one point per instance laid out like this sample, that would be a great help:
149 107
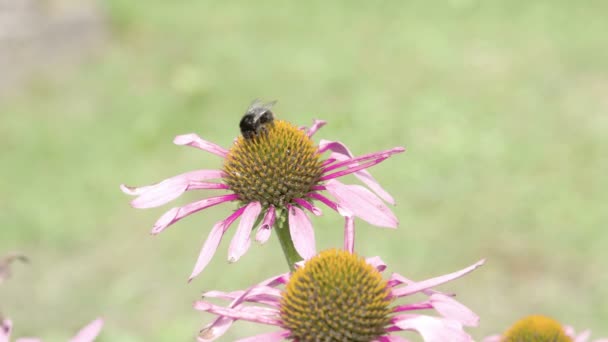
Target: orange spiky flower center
336 296
273 167
536 328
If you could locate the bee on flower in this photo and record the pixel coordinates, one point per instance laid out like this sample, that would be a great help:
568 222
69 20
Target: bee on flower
276 174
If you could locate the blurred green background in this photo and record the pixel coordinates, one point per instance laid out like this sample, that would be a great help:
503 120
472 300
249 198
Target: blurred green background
502 107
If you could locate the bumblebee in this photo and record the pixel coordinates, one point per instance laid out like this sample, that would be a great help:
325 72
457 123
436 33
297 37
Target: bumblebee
257 117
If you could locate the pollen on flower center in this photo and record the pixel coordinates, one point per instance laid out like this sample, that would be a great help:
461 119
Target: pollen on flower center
536 328
336 296
274 167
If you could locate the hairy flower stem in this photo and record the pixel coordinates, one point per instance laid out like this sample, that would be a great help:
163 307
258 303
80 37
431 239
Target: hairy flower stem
289 250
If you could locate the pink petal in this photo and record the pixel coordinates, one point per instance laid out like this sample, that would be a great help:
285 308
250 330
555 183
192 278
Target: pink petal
302 234
235 313
212 242
378 263
269 337
196 175
363 203
493 338
306 205
426 284
391 338
28 339
5 330
364 158
454 310
175 214
353 169
264 231
169 189
315 127
323 199
583 336
89 332
196 141
341 152
215 330
349 234
433 329
240 242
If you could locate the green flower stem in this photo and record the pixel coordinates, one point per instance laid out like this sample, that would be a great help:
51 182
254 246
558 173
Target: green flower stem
291 255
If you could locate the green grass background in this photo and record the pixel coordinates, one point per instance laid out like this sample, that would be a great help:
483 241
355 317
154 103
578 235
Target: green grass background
502 107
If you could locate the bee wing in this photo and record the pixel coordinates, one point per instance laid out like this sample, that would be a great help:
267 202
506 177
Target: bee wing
259 108
257 103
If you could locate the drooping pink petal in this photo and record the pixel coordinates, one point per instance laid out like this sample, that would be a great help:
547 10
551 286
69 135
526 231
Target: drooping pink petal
195 141
432 329
583 336
493 338
353 169
268 337
349 234
412 306
363 203
342 153
323 199
28 339
175 214
452 309
306 205
169 188
315 127
426 284
392 338
364 158
240 242
215 330
302 234
378 263
5 330
89 332
248 315
263 232
212 242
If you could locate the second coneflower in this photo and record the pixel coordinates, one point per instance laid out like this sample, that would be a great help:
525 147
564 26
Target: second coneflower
275 177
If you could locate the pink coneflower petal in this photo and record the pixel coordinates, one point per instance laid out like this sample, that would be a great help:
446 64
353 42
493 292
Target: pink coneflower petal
363 203
493 338
195 141
215 330
269 337
5 330
263 232
306 205
349 234
452 309
155 195
353 169
364 158
240 242
392 338
302 234
212 242
377 263
89 332
28 339
316 125
342 153
324 200
432 329
426 284
175 214
251 315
